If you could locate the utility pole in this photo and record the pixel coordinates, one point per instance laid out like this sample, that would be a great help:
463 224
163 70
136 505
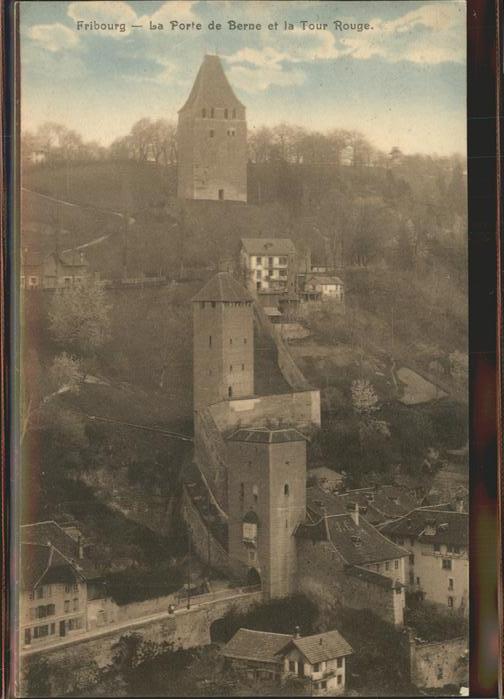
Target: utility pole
189 568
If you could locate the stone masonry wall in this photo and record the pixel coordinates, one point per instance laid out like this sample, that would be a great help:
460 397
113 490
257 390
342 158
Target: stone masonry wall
321 573
210 455
438 664
74 666
300 409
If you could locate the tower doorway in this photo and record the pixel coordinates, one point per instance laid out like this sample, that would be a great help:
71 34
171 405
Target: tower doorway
253 578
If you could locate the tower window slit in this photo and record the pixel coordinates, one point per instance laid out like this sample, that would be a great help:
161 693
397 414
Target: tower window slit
226 114
209 340
203 113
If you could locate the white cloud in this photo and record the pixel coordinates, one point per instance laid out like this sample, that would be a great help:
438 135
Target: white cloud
431 34
53 37
180 10
259 79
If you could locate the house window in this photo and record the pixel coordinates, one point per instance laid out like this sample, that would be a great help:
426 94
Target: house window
249 531
226 114
339 663
450 583
209 344
437 548
244 340
67 281
50 610
324 684
40 593
255 492
340 679
411 578
230 391
230 368
212 113
242 490
30 596
33 281
53 629
243 367
68 588
67 606
75 587
234 113
292 666
396 564
252 556
447 564
203 113
316 667
230 340
440 672
418 581
40 631
76 604
450 602
221 194
213 304
387 565
412 558
74 624
211 133
286 489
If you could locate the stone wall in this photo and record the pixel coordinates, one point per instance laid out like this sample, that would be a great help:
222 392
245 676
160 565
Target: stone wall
440 663
210 455
206 546
290 371
321 574
300 409
75 665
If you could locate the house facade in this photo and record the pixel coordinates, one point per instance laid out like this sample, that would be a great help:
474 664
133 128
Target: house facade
438 563
54 271
317 660
326 286
269 264
53 596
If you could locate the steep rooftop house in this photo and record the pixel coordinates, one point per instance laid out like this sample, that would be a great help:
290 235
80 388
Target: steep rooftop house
318 659
437 540
53 597
323 287
54 271
269 264
212 139
350 559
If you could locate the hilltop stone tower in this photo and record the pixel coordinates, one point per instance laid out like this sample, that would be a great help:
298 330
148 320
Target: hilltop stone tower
266 503
212 139
223 342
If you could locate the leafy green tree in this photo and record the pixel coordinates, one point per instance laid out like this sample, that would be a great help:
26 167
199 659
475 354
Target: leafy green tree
79 318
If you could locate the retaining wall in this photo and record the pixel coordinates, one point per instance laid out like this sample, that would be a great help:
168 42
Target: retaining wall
440 663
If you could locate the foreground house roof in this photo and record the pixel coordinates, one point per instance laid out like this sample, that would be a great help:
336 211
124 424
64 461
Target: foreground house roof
261 646
431 525
269 246
321 647
224 288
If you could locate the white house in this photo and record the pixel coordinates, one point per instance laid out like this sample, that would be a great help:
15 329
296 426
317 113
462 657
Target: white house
437 539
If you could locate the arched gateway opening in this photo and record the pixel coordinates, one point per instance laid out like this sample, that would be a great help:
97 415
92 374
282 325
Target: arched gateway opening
253 578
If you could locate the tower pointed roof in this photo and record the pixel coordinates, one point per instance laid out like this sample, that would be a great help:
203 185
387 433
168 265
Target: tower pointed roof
212 86
223 287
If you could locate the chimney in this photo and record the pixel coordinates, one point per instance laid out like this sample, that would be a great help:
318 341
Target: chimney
355 514
297 632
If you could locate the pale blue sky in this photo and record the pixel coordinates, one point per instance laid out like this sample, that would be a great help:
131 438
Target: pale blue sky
402 83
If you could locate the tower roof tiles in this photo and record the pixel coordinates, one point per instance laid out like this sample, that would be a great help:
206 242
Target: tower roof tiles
222 287
211 87
264 435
